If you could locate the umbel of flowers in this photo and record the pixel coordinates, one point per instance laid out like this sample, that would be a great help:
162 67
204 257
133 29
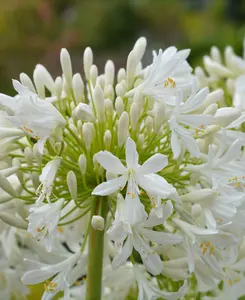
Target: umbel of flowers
127 184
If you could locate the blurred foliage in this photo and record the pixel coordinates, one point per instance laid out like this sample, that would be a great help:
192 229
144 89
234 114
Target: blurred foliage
34 30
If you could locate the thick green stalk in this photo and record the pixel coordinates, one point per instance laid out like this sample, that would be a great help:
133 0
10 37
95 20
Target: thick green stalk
95 257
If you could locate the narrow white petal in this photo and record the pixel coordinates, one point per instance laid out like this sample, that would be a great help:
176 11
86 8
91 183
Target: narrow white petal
131 154
154 164
161 238
175 145
110 162
124 254
111 186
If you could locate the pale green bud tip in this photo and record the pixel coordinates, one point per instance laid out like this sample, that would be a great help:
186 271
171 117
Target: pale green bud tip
98 223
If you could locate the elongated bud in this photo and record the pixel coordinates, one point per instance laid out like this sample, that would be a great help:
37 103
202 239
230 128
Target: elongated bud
159 117
107 139
109 72
215 54
72 184
9 171
78 87
215 68
120 90
58 87
73 129
139 47
198 196
123 128
98 223
26 81
82 163
108 106
119 106
121 75
132 62
93 74
87 61
149 125
16 163
84 112
202 78
28 155
211 109
101 81
37 155
65 61
225 115
42 79
214 97
10 132
109 91
87 135
6 186
141 140
134 116
15 221
230 83
99 103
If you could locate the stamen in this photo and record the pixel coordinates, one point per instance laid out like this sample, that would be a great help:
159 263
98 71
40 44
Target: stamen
50 286
207 246
27 129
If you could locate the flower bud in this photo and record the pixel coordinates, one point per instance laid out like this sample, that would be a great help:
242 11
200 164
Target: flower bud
37 155
82 163
119 106
121 75
14 221
28 155
109 72
99 103
109 91
202 78
16 163
108 106
6 132
141 140
149 125
123 128
98 223
72 184
211 109
58 87
84 112
215 68
73 128
93 74
101 81
87 61
134 116
139 47
87 135
213 97
42 79
26 81
78 87
132 62
65 61
226 115
215 54
230 84
107 139
6 186
120 90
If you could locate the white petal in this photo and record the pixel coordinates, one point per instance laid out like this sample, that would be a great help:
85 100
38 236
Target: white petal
154 219
36 276
161 238
156 185
175 145
122 257
111 186
110 162
131 154
154 164
134 210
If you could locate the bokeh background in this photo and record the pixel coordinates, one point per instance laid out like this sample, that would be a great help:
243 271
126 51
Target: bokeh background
34 31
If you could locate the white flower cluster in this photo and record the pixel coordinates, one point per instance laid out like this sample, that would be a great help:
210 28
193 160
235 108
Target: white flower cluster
129 185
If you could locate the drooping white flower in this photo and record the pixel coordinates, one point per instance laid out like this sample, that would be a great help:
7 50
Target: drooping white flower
142 175
131 224
43 221
36 117
47 179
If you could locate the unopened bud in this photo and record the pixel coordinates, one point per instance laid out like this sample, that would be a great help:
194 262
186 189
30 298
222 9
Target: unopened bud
42 79
82 163
211 109
11 220
99 103
108 106
226 115
107 139
58 87
101 81
87 61
132 62
93 74
119 106
16 163
141 140
121 75
109 91
109 72
149 125
28 155
6 186
26 81
139 47
87 135
65 61
215 54
78 87
37 155
98 223
84 112
134 116
72 184
123 128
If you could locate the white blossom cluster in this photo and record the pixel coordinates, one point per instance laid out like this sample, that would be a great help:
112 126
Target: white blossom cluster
161 149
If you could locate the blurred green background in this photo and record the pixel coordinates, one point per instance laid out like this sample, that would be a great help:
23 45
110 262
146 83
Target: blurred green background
34 31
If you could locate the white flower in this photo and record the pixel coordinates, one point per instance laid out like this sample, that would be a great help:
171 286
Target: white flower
36 117
43 221
146 289
134 174
41 272
47 179
131 224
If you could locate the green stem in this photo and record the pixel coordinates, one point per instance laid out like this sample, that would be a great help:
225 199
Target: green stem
95 257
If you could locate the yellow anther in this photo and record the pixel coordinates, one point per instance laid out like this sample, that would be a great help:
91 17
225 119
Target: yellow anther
38 229
50 286
27 129
219 220
230 282
207 246
60 229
